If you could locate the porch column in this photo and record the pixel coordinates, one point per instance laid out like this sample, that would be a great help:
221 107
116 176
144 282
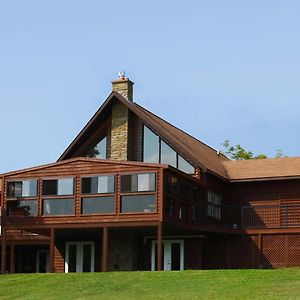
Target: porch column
12 258
159 247
3 253
105 249
52 245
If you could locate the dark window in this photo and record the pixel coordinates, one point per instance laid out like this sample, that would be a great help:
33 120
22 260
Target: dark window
55 207
214 205
138 203
98 185
60 187
22 208
138 183
171 185
96 205
151 146
184 211
25 188
170 206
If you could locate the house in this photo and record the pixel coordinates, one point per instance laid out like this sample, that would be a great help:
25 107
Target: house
133 192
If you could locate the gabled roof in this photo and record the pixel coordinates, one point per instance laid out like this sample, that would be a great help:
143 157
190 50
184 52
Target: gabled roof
198 153
85 159
263 169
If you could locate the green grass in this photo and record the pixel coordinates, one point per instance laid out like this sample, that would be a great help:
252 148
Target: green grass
219 284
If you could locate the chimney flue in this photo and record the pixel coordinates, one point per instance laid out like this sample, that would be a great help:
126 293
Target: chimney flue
123 86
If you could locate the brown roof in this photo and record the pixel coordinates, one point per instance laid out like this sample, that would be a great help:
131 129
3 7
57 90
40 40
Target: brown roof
262 169
198 153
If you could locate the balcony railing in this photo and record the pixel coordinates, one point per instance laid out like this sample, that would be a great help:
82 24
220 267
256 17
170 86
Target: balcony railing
270 216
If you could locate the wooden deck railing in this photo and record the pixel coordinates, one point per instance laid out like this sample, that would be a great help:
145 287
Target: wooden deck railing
270 216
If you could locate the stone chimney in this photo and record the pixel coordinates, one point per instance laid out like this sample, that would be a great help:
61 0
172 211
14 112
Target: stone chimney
120 119
123 86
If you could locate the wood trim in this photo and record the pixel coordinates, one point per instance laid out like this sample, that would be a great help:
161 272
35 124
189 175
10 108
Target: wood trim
159 247
105 249
52 245
3 251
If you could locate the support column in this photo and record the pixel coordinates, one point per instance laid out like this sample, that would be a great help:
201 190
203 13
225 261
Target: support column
52 245
105 249
12 258
159 247
3 251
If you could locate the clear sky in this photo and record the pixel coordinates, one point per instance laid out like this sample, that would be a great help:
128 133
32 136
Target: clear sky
216 69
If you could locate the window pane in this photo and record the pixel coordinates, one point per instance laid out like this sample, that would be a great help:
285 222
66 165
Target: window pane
98 185
139 203
185 166
99 150
138 182
98 205
168 155
65 186
56 207
25 188
151 146
22 208
50 187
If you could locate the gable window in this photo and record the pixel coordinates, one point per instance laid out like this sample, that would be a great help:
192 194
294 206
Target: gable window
214 205
99 150
156 150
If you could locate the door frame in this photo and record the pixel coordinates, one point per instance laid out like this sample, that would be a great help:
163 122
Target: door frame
167 242
79 254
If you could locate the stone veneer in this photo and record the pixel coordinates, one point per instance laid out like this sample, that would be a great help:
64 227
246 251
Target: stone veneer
119 132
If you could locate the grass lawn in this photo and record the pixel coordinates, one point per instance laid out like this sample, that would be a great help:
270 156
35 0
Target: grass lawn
220 284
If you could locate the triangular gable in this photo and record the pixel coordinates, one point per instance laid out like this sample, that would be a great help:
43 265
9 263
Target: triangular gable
198 153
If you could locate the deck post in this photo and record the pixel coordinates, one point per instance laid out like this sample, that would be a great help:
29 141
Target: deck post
159 247
52 245
105 249
12 258
3 251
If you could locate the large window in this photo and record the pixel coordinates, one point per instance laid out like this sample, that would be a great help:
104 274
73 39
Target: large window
138 193
156 150
99 150
104 186
98 184
24 188
58 206
22 208
214 205
60 187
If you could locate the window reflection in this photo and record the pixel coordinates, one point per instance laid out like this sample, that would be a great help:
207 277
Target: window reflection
151 146
98 184
138 203
99 150
98 205
55 207
64 186
25 188
138 182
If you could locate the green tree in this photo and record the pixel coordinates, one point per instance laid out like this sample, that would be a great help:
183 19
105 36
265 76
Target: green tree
239 153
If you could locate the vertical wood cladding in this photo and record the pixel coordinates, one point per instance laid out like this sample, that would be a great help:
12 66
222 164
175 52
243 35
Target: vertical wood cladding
135 138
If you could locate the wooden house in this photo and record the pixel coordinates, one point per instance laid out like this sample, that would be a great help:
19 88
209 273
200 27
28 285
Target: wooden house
133 192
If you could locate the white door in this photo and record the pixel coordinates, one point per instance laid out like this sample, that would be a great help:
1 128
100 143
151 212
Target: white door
173 255
80 257
42 261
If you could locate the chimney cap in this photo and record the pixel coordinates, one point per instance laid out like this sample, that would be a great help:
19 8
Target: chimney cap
122 74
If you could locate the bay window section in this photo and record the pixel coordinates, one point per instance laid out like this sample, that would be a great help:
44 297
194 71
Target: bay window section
138 193
99 194
156 150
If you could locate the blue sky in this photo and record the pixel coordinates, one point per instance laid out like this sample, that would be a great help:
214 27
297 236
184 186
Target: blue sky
217 69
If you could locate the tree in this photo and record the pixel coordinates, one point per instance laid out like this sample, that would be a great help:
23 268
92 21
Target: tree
239 153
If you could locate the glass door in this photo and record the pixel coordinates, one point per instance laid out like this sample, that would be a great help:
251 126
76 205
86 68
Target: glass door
42 261
79 257
173 255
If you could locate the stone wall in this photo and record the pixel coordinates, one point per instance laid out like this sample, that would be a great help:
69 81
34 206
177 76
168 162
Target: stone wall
119 132
123 252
